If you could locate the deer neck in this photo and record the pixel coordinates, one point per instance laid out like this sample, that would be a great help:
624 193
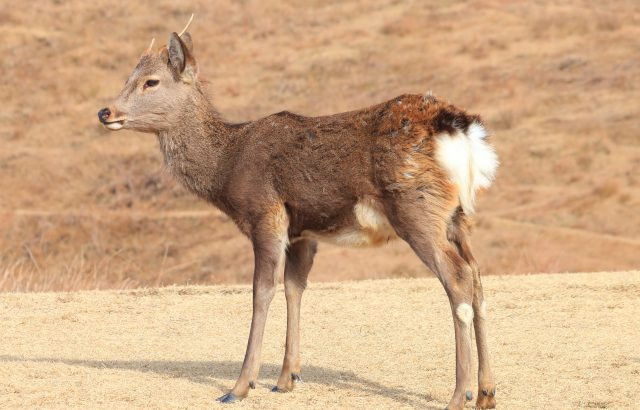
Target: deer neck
194 149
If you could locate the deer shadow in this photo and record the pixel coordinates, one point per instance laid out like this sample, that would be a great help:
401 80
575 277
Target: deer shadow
203 372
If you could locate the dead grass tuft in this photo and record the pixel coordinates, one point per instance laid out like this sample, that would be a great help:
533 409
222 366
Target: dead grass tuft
597 404
20 277
606 190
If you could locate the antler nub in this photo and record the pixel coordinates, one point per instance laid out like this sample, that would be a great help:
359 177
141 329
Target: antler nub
184 30
153 40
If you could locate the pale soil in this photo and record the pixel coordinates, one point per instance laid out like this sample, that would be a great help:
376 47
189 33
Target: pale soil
556 82
559 341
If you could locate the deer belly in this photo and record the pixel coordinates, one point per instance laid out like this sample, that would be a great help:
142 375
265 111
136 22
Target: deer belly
369 227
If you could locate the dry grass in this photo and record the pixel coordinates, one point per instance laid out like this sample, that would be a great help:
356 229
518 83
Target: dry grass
20 277
556 82
558 341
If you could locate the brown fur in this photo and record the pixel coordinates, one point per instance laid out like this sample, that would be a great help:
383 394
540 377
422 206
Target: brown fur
362 177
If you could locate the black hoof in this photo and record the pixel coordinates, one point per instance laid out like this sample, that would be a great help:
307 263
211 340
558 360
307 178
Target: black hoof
252 385
228 398
296 378
275 389
489 393
469 395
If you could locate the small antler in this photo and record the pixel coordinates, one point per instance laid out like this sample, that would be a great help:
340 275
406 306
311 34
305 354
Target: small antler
153 40
184 30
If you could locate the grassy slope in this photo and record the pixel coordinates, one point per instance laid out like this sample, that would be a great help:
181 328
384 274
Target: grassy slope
556 83
558 341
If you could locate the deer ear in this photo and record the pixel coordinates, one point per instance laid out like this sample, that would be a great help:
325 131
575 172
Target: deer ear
186 40
181 59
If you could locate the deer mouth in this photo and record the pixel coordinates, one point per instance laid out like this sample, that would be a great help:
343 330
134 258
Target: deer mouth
114 125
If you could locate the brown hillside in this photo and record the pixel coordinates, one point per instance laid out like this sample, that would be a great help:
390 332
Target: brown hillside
556 83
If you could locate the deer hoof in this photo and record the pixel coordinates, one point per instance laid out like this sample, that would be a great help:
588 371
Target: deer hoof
486 392
276 389
228 398
296 378
486 399
469 395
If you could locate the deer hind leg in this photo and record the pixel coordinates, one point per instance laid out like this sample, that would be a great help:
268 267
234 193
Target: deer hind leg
269 239
297 266
422 223
458 234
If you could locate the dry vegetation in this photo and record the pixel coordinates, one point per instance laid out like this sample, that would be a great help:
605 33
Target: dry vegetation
556 82
561 341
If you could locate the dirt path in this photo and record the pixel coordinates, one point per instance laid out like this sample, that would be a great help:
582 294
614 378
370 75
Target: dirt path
559 341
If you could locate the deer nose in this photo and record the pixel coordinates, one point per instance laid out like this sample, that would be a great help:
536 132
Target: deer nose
103 115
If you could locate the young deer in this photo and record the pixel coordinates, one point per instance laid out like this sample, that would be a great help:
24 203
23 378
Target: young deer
408 168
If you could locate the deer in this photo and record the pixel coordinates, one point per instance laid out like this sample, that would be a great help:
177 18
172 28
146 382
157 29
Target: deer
409 168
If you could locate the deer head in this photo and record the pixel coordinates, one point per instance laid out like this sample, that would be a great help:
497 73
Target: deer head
155 93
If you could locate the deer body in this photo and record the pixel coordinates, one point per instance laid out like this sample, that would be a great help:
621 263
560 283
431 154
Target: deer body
407 168
331 172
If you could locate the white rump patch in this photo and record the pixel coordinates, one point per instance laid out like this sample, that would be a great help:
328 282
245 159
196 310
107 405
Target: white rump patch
469 160
464 311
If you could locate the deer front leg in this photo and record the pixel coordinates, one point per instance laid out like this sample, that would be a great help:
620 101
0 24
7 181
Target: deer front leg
268 245
298 263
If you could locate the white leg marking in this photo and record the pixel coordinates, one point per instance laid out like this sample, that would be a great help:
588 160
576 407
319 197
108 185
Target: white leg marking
483 309
464 311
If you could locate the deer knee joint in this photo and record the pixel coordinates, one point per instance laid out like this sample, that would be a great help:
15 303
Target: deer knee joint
464 311
264 294
294 288
466 272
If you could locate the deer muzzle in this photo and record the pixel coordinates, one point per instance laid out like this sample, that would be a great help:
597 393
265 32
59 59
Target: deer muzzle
104 115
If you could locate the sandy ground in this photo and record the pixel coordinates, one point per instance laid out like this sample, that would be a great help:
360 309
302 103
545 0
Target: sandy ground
558 341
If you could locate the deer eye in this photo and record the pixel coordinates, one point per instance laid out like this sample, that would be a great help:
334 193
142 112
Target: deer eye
151 83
